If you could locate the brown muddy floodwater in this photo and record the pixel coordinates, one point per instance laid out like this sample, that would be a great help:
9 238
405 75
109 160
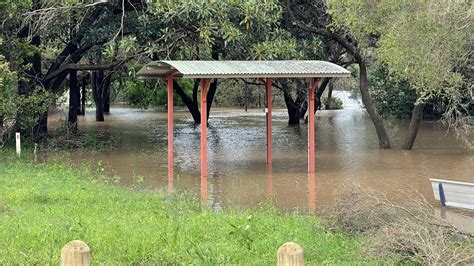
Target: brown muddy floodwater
346 152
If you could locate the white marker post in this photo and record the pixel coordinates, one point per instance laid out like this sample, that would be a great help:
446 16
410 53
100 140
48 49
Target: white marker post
35 152
18 144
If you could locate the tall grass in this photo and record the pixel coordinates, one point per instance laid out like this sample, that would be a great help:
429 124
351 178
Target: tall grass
42 207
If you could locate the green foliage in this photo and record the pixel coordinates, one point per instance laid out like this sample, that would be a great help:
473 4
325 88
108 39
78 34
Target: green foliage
392 94
426 45
231 93
7 100
7 86
332 103
142 93
241 26
281 45
149 93
31 106
21 111
425 42
46 206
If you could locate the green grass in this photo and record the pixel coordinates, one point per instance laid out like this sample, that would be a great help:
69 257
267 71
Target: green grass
47 205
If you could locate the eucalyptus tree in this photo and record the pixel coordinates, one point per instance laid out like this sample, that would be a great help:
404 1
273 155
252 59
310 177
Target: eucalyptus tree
427 43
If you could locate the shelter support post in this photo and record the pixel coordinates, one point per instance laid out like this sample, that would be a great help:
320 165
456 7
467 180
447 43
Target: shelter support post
169 86
205 85
313 84
268 90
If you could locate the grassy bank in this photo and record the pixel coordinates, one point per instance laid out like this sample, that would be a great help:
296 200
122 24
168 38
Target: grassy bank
42 207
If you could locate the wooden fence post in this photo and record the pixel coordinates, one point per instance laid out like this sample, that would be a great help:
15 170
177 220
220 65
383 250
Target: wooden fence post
75 253
290 254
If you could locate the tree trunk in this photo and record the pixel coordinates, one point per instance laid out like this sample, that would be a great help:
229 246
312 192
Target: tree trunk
32 65
107 99
99 113
331 87
28 81
246 96
415 122
294 107
83 95
190 103
259 99
319 92
97 80
348 44
41 129
74 100
195 92
210 96
293 110
213 87
384 141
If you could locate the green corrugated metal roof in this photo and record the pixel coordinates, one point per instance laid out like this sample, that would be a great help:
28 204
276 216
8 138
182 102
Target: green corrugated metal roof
243 69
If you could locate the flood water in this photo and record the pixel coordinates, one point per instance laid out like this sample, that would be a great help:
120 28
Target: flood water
346 152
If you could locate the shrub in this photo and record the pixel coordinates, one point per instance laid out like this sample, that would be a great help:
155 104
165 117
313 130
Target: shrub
144 94
14 106
413 233
332 103
392 95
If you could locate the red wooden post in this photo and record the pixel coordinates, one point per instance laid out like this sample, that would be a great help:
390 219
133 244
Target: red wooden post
311 144
268 90
169 85
205 84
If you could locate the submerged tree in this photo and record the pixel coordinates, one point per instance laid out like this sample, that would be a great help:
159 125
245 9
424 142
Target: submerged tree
315 17
428 43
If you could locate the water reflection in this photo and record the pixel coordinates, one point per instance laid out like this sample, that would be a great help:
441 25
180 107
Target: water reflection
269 182
170 179
204 191
312 192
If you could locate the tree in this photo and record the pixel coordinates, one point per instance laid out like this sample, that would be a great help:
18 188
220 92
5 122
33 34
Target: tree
425 42
45 34
22 98
7 100
315 17
199 35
